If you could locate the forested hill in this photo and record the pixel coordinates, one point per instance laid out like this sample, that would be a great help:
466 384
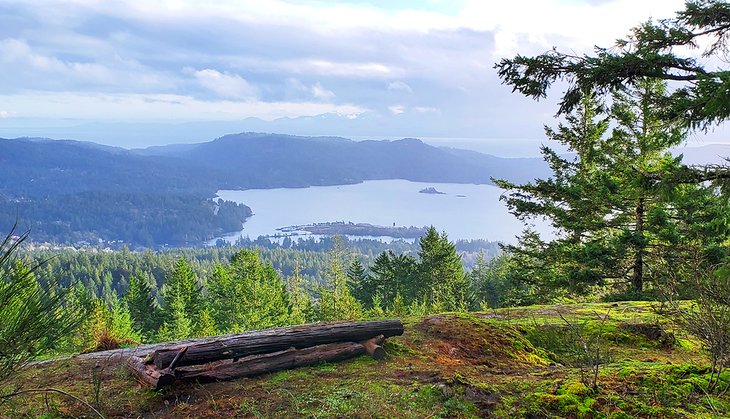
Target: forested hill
254 160
70 191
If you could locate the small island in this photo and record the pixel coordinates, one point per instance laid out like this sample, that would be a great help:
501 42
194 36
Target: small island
431 190
357 229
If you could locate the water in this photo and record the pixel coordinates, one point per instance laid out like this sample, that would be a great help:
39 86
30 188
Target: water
464 212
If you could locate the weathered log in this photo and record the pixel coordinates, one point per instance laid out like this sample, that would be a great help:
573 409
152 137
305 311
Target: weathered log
149 375
274 340
373 348
252 365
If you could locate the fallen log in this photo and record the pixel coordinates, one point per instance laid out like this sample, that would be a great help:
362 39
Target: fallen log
252 365
148 374
373 348
275 340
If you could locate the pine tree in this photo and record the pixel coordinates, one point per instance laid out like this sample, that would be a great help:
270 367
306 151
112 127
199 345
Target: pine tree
335 300
613 206
441 273
178 326
183 298
32 316
142 305
247 294
357 279
302 310
392 275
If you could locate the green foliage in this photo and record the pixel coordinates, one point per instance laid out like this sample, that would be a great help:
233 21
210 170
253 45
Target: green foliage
615 209
701 97
32 317
302 309
493 285
440 272
177 325
335 300
143 308
391 275
106 326
184 302
247 294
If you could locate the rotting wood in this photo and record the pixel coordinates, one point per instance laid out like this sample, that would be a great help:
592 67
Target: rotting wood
148 375
275 340
252 365
373 348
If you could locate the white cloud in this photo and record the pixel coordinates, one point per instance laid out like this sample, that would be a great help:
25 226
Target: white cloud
320 92
18 52
6 114
399 86
225 84
162 107
532 26
425 109
396 109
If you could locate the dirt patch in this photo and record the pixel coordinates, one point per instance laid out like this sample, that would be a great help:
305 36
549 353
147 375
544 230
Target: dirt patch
453 341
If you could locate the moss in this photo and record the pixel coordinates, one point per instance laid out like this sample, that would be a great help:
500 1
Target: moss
451 365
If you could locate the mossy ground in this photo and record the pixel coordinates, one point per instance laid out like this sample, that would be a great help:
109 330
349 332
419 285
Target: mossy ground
504 363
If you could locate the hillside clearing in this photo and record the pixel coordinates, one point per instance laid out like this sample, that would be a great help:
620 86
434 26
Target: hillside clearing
503 363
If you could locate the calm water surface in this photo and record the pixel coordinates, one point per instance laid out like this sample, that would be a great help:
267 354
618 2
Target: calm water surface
464 212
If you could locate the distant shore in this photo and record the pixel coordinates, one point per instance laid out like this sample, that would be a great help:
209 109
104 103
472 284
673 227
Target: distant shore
357 229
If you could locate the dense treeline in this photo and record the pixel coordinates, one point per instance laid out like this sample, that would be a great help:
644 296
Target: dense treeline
103 273
140 219
124 296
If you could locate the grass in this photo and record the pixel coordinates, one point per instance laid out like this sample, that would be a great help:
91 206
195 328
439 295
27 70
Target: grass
502 363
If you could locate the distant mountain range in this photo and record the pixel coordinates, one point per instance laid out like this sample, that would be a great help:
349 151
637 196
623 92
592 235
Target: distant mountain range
254 160
72 191
69 190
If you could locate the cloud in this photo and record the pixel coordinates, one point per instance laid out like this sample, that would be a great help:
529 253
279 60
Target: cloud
225 84
319 92
28 68
399 86
164 107
6 114
425 109
122 60
396 109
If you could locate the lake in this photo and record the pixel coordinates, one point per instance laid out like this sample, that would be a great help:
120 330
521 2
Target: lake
464 211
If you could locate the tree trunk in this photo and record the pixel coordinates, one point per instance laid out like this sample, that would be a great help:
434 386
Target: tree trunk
229 369
373 348
274 340
637 280
149 375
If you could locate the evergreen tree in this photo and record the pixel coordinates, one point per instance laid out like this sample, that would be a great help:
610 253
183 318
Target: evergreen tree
357 277
183 298
302 310
613 215
441 273
335 300
142 305
32 316
392 275
701 95
247 294
178 325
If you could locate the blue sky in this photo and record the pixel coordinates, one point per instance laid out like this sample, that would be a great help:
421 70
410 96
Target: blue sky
119 72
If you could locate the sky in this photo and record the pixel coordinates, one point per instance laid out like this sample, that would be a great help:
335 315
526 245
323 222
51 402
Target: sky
149 72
